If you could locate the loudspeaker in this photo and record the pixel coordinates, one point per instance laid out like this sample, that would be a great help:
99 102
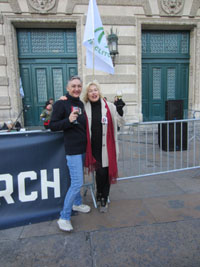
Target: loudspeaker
174 136
173 110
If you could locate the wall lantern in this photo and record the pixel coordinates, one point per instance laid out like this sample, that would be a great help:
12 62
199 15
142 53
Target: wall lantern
113 45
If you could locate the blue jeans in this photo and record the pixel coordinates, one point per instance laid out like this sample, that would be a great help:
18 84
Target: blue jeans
75 164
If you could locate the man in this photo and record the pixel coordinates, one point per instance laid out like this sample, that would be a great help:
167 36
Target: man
66 118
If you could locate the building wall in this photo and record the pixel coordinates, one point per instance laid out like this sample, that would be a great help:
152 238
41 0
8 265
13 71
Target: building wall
127 17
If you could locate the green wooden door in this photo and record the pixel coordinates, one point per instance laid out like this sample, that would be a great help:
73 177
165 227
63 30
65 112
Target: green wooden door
47 61
41 82
164 74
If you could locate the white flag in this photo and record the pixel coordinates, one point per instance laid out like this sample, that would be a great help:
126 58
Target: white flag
94 32
21 91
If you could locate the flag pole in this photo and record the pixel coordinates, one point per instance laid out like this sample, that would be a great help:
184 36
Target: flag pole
93 61
93 40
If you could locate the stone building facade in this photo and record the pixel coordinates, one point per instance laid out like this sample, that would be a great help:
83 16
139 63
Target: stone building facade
133 20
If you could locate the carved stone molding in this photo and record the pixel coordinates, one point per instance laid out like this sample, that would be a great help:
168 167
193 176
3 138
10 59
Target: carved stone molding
194 8
112 20
171 7
143 3
15 6
42 6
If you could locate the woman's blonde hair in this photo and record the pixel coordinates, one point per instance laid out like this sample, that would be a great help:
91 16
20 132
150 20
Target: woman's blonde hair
85 97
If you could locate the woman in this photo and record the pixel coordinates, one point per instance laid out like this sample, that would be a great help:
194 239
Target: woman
102 148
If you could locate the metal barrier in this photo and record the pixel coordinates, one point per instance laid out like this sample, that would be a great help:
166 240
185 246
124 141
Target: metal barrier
91 186
150 148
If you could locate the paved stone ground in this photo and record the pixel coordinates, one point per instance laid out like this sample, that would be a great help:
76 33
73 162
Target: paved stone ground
152 221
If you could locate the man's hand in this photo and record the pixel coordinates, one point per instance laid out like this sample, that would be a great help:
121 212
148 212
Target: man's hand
73 116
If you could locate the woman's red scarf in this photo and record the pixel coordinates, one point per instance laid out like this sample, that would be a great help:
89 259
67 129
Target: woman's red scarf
90 161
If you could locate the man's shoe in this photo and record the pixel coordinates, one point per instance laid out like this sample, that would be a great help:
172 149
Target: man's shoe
65 225
82 208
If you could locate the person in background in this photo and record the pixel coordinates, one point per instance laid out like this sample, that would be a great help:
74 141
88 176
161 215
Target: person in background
102 147
68 116
119 103
7 126
45 116
51 101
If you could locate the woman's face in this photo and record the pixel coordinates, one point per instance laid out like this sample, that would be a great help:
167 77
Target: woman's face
93 93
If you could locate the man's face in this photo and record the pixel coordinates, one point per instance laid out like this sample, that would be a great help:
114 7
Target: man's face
74 88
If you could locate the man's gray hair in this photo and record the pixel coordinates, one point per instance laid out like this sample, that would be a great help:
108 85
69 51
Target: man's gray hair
74 78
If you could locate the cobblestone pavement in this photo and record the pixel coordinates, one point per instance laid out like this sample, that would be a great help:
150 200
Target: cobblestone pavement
152 221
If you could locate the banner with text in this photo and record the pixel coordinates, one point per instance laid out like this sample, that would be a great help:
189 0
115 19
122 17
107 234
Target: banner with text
33 177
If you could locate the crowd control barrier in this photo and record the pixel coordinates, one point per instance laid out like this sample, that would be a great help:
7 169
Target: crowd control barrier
33 177
150 148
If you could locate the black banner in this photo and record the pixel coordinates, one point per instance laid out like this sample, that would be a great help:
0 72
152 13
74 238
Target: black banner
33 177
